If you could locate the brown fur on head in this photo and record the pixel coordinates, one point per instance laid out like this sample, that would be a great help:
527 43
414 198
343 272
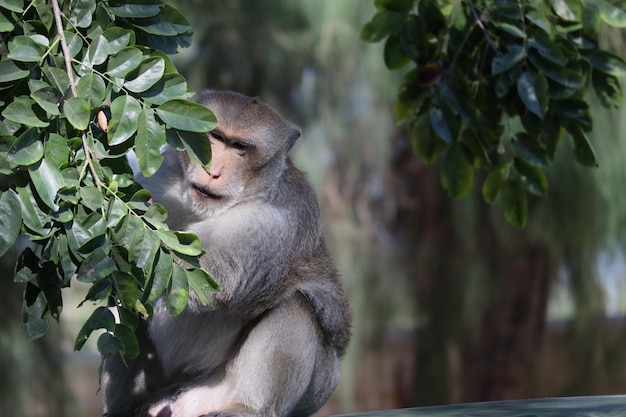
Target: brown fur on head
249 150
250 119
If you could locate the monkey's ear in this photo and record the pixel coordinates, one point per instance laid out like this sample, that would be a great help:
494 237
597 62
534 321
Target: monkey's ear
293 137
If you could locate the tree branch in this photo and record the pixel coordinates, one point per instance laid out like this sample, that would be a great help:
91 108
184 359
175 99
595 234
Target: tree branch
66 50
70 74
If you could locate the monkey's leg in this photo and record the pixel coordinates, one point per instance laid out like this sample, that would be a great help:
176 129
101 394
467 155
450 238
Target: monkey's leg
126 386
281 369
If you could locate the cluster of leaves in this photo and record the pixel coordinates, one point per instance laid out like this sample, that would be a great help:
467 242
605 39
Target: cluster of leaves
496 84
72 107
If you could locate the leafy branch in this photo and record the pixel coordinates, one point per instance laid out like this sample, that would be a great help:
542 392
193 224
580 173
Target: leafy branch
497 91
81 85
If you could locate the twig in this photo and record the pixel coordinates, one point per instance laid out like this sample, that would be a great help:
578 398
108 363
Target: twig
66 50
70 74
480 25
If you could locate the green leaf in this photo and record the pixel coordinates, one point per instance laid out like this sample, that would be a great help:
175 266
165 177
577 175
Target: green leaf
529 149
56 149
384 23
109 345
116 212
514 55
156 215
21 111
27 268
82 12
58 78
146 75
168 22
77 111
539 19
47 180
16 6
178 293
150 138
493 183
401 6
125 111
562 9
34 218
127 229
426 144
514 203
394 55
457 173
34 308
11 215
511 29
607 62
100 290
124 62
565 76
611 14
144 247
548 50
185 243
533 178
48 99
127 289
440 125
97 52
195 144
170 87
186 115
91 87
24 49
161 275
74 43
532 89
201 283
118 38
91 197
135 8
127 337
27 150
583 150
97 265
608 89
101 318
9 71
45 15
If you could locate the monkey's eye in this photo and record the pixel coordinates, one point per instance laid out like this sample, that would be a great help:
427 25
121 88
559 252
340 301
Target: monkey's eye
241 145
217 135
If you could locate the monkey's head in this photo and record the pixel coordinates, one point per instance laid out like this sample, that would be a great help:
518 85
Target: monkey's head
249 150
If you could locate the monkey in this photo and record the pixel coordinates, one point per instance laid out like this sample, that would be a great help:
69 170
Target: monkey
271 342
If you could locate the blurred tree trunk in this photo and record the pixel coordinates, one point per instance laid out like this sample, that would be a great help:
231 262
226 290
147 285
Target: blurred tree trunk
488 361
497 360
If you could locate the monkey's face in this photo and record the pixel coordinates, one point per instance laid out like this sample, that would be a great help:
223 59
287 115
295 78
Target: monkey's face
226 178
249 150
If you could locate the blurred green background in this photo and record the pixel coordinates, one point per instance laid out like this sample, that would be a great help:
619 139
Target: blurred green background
451 304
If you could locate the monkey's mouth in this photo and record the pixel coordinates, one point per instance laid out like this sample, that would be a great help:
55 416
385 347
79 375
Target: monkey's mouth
206 192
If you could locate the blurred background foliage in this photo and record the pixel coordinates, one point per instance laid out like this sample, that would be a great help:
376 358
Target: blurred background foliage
451 303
